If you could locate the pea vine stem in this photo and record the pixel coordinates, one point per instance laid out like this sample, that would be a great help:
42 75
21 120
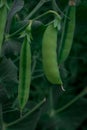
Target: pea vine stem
48 12
38 6
51 102
1 117
38 17
52 110
2 126
37 76
34 62
27 114
54 5
12 110
56 8
72 101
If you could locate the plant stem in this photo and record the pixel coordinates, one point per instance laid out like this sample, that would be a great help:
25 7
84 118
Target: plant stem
1 118
51 114
20 113
38 6
48 12
27 114
72 101
16 59
52 110
54 5
56 8
8 36
10 111
34 64
37 76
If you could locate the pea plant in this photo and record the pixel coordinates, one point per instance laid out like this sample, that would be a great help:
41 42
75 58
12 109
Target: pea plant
42 75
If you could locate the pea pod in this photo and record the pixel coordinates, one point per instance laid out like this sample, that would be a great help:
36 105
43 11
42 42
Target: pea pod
49 55
68 33
24 74
3 17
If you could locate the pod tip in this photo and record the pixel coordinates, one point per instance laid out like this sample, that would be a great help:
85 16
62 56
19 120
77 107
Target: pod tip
62 88
44 100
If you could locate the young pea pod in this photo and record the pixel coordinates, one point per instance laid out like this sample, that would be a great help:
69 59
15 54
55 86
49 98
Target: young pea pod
49 55
68 33
3 18
24 74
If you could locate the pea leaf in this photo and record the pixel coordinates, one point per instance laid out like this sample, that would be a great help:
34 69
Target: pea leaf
8 76
11 47
57 23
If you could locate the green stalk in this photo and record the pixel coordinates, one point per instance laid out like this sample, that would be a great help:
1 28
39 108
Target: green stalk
51 113
2 127
38 6
52 110
27 114
48 12
72 101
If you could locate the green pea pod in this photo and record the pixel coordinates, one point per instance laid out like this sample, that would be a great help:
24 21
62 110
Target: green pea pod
49 55
68 33
24 74
3 18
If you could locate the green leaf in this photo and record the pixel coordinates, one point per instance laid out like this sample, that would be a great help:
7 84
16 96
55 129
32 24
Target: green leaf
8 76
11 47
57 23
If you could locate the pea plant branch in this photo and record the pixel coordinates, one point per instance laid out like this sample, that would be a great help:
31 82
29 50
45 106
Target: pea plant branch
51 112
27 114
1 117
84 92
38 6
34 62
48 12
56 8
